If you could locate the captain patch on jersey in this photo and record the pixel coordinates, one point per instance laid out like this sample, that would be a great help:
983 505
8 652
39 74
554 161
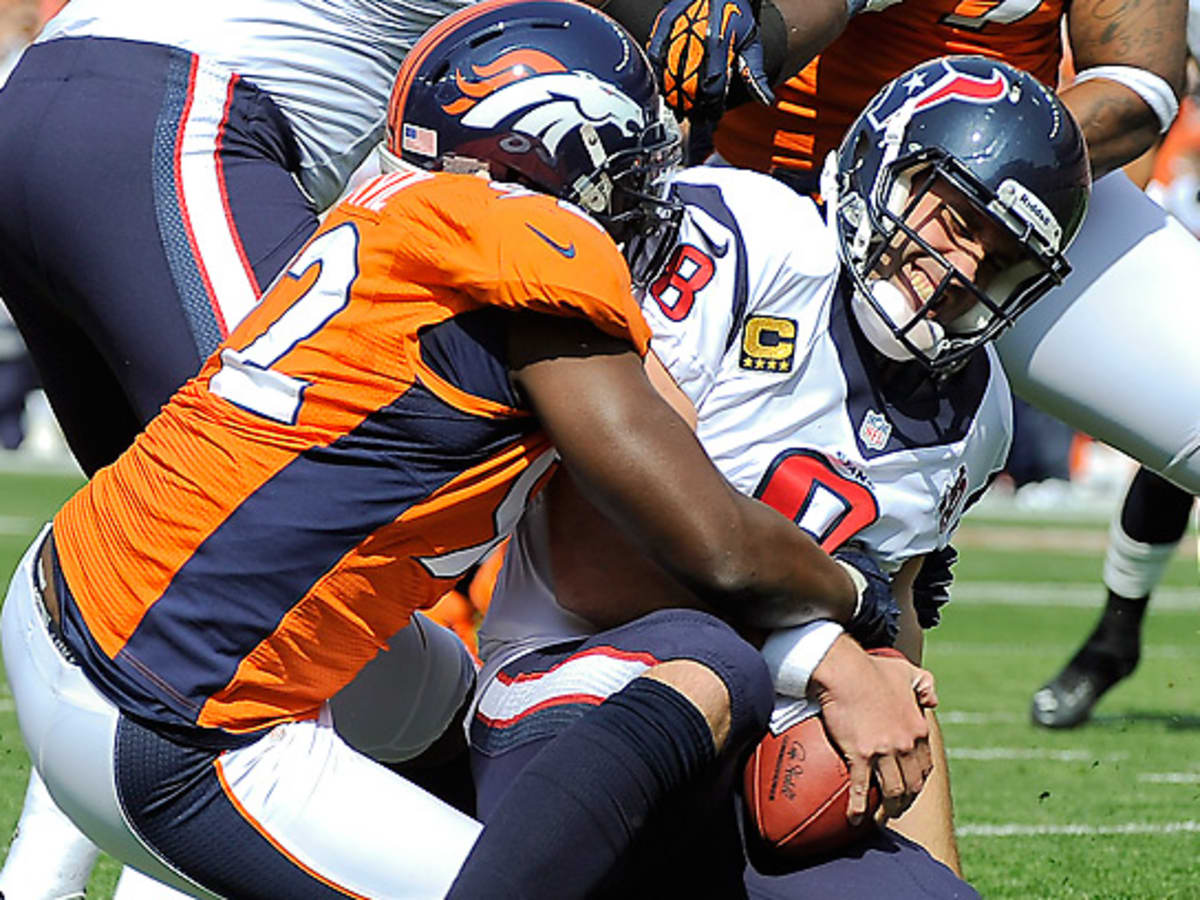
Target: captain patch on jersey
768 344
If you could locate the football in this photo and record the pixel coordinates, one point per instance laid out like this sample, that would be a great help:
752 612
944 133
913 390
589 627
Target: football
797 788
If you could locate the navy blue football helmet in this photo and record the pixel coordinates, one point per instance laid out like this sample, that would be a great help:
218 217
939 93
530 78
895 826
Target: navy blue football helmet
994 134
551 94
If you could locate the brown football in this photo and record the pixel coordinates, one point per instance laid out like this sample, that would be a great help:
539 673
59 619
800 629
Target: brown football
797 787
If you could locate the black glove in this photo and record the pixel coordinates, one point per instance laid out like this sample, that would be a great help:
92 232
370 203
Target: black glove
693 47
931 587
877 620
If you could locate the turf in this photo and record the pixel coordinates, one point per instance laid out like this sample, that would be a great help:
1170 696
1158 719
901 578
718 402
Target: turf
1110 810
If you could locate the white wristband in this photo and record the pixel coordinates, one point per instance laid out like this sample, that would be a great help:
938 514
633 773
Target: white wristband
793 653
1153 89
860 584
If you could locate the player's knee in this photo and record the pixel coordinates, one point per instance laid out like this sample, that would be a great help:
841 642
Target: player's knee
703 688
403 700
724 676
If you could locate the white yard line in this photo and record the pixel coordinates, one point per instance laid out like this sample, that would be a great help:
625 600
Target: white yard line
991 754
960 717
1170 777
17 526
1017 830
935 648
1072 594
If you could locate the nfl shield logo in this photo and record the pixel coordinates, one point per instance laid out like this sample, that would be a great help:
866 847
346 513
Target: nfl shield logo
875 430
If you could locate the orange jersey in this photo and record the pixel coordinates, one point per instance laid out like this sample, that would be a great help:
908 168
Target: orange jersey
350 451
812 110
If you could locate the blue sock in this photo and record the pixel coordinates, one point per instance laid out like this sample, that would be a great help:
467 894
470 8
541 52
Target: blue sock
569 819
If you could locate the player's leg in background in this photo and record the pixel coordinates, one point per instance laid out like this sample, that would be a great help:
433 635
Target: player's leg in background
136 247
1143 537
682 695
150 228
49 861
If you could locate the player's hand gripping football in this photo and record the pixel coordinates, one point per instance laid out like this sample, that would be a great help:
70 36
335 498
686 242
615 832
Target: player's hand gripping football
874 711
694 47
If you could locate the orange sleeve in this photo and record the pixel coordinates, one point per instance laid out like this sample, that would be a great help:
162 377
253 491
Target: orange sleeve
518 249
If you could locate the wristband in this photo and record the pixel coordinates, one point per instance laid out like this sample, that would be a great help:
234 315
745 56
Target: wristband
860 584
1153 89
792 654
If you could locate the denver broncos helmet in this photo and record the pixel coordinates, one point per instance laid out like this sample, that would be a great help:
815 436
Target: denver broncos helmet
997 136
551 94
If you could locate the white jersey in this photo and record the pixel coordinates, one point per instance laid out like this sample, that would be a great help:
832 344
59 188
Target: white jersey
328 64
752 323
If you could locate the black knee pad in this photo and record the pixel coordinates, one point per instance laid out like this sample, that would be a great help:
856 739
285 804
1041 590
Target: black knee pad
1155 510
703 638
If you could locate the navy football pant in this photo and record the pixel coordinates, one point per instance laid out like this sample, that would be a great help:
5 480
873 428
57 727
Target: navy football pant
692 844
148 199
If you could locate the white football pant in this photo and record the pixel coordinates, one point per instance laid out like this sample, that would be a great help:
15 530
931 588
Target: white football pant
355 813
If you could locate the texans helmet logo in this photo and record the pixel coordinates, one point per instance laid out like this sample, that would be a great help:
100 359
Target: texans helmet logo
914 94
544 99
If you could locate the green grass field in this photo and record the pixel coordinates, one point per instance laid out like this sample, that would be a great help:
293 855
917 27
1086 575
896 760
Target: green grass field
1110 810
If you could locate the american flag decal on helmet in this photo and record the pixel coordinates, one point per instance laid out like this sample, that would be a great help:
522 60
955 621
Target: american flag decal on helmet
416 139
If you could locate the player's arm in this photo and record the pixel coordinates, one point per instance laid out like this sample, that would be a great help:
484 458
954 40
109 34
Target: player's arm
638 462
930 820
710 54
794 31
1129 63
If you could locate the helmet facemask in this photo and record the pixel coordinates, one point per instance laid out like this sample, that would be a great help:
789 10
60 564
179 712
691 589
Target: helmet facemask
627 194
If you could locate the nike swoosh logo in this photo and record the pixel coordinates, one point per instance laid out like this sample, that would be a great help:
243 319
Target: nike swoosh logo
567 250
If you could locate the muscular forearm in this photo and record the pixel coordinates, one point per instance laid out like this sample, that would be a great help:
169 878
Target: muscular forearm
930 820
1117 124
807 28
1144 35
638 462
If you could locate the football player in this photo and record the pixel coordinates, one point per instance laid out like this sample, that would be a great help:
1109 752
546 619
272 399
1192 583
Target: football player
372 427
1130 64
160 163
841 371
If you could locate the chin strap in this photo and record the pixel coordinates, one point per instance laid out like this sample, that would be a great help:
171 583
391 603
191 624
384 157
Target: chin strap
891 310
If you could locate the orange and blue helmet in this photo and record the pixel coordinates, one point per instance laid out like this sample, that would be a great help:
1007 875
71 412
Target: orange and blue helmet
551 94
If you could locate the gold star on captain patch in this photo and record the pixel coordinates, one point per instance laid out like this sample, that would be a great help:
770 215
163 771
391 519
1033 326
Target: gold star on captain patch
758 363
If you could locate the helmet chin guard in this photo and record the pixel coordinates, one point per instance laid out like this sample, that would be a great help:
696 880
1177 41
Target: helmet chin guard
885 313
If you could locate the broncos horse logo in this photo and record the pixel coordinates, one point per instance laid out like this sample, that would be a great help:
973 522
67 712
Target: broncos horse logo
547 100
